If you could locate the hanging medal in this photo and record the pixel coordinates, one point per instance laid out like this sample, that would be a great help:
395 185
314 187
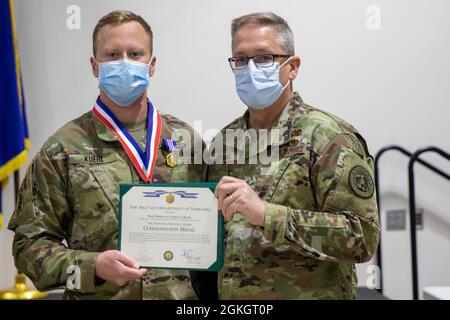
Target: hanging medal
143 162
170 146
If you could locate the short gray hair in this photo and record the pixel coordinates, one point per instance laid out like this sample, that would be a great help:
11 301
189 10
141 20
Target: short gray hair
285 35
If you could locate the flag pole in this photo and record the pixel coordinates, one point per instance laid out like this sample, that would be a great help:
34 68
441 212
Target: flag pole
20 290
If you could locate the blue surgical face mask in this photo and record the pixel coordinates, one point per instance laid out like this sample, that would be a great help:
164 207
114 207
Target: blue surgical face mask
259 88
123 81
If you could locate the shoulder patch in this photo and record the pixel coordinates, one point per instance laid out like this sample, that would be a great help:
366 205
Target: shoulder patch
361 182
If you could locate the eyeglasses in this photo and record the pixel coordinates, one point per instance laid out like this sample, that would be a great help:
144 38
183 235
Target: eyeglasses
260 61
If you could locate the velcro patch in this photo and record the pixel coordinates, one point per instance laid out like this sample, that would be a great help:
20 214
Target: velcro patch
361 182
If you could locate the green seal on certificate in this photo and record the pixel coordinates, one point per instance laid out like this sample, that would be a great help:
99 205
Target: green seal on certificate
171 225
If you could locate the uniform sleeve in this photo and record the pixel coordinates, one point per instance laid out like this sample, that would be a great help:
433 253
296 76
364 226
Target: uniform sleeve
346 227
41 222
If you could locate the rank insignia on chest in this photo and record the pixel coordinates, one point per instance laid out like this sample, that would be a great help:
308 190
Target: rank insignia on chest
293 147
296 132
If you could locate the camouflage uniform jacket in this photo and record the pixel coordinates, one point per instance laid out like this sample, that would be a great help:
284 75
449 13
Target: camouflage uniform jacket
321 213
71 192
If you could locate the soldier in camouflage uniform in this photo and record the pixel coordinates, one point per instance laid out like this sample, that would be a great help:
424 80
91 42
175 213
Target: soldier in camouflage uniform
296 225
71 194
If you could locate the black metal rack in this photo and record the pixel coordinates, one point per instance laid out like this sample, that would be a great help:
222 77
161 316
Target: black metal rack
413 158
377 186
412 207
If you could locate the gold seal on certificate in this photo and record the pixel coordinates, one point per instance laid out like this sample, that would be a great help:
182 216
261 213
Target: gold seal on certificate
171 226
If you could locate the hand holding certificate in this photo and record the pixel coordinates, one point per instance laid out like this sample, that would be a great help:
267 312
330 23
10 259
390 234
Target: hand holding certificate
175 225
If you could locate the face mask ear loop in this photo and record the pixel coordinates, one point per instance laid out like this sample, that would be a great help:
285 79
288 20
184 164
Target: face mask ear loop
287 84
98 63
284 63
281 67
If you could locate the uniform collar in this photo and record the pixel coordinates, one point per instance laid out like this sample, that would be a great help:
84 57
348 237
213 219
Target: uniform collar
106 134
287 117
103 132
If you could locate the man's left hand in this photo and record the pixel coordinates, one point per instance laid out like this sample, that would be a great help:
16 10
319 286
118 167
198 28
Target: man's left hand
235 195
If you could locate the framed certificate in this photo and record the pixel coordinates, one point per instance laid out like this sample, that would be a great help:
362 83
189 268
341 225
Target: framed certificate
171 225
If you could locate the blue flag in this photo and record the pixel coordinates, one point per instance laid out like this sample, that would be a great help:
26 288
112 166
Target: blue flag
14 141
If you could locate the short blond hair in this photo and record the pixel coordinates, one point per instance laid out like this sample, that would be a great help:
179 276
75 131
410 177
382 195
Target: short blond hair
120 16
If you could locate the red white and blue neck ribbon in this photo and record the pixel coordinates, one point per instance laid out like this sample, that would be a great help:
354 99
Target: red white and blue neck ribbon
143 162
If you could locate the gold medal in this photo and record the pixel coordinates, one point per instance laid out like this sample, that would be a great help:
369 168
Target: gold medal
170 198
170 160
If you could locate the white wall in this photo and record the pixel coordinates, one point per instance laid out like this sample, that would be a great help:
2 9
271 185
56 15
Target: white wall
391 83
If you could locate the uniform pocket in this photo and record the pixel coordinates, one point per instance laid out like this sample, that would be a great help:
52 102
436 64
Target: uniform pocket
294 188
94 189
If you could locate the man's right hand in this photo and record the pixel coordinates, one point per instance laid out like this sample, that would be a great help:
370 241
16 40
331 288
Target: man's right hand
115 267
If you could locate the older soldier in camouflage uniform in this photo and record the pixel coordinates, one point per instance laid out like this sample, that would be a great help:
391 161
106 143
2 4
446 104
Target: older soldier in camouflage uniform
66 219
297 225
